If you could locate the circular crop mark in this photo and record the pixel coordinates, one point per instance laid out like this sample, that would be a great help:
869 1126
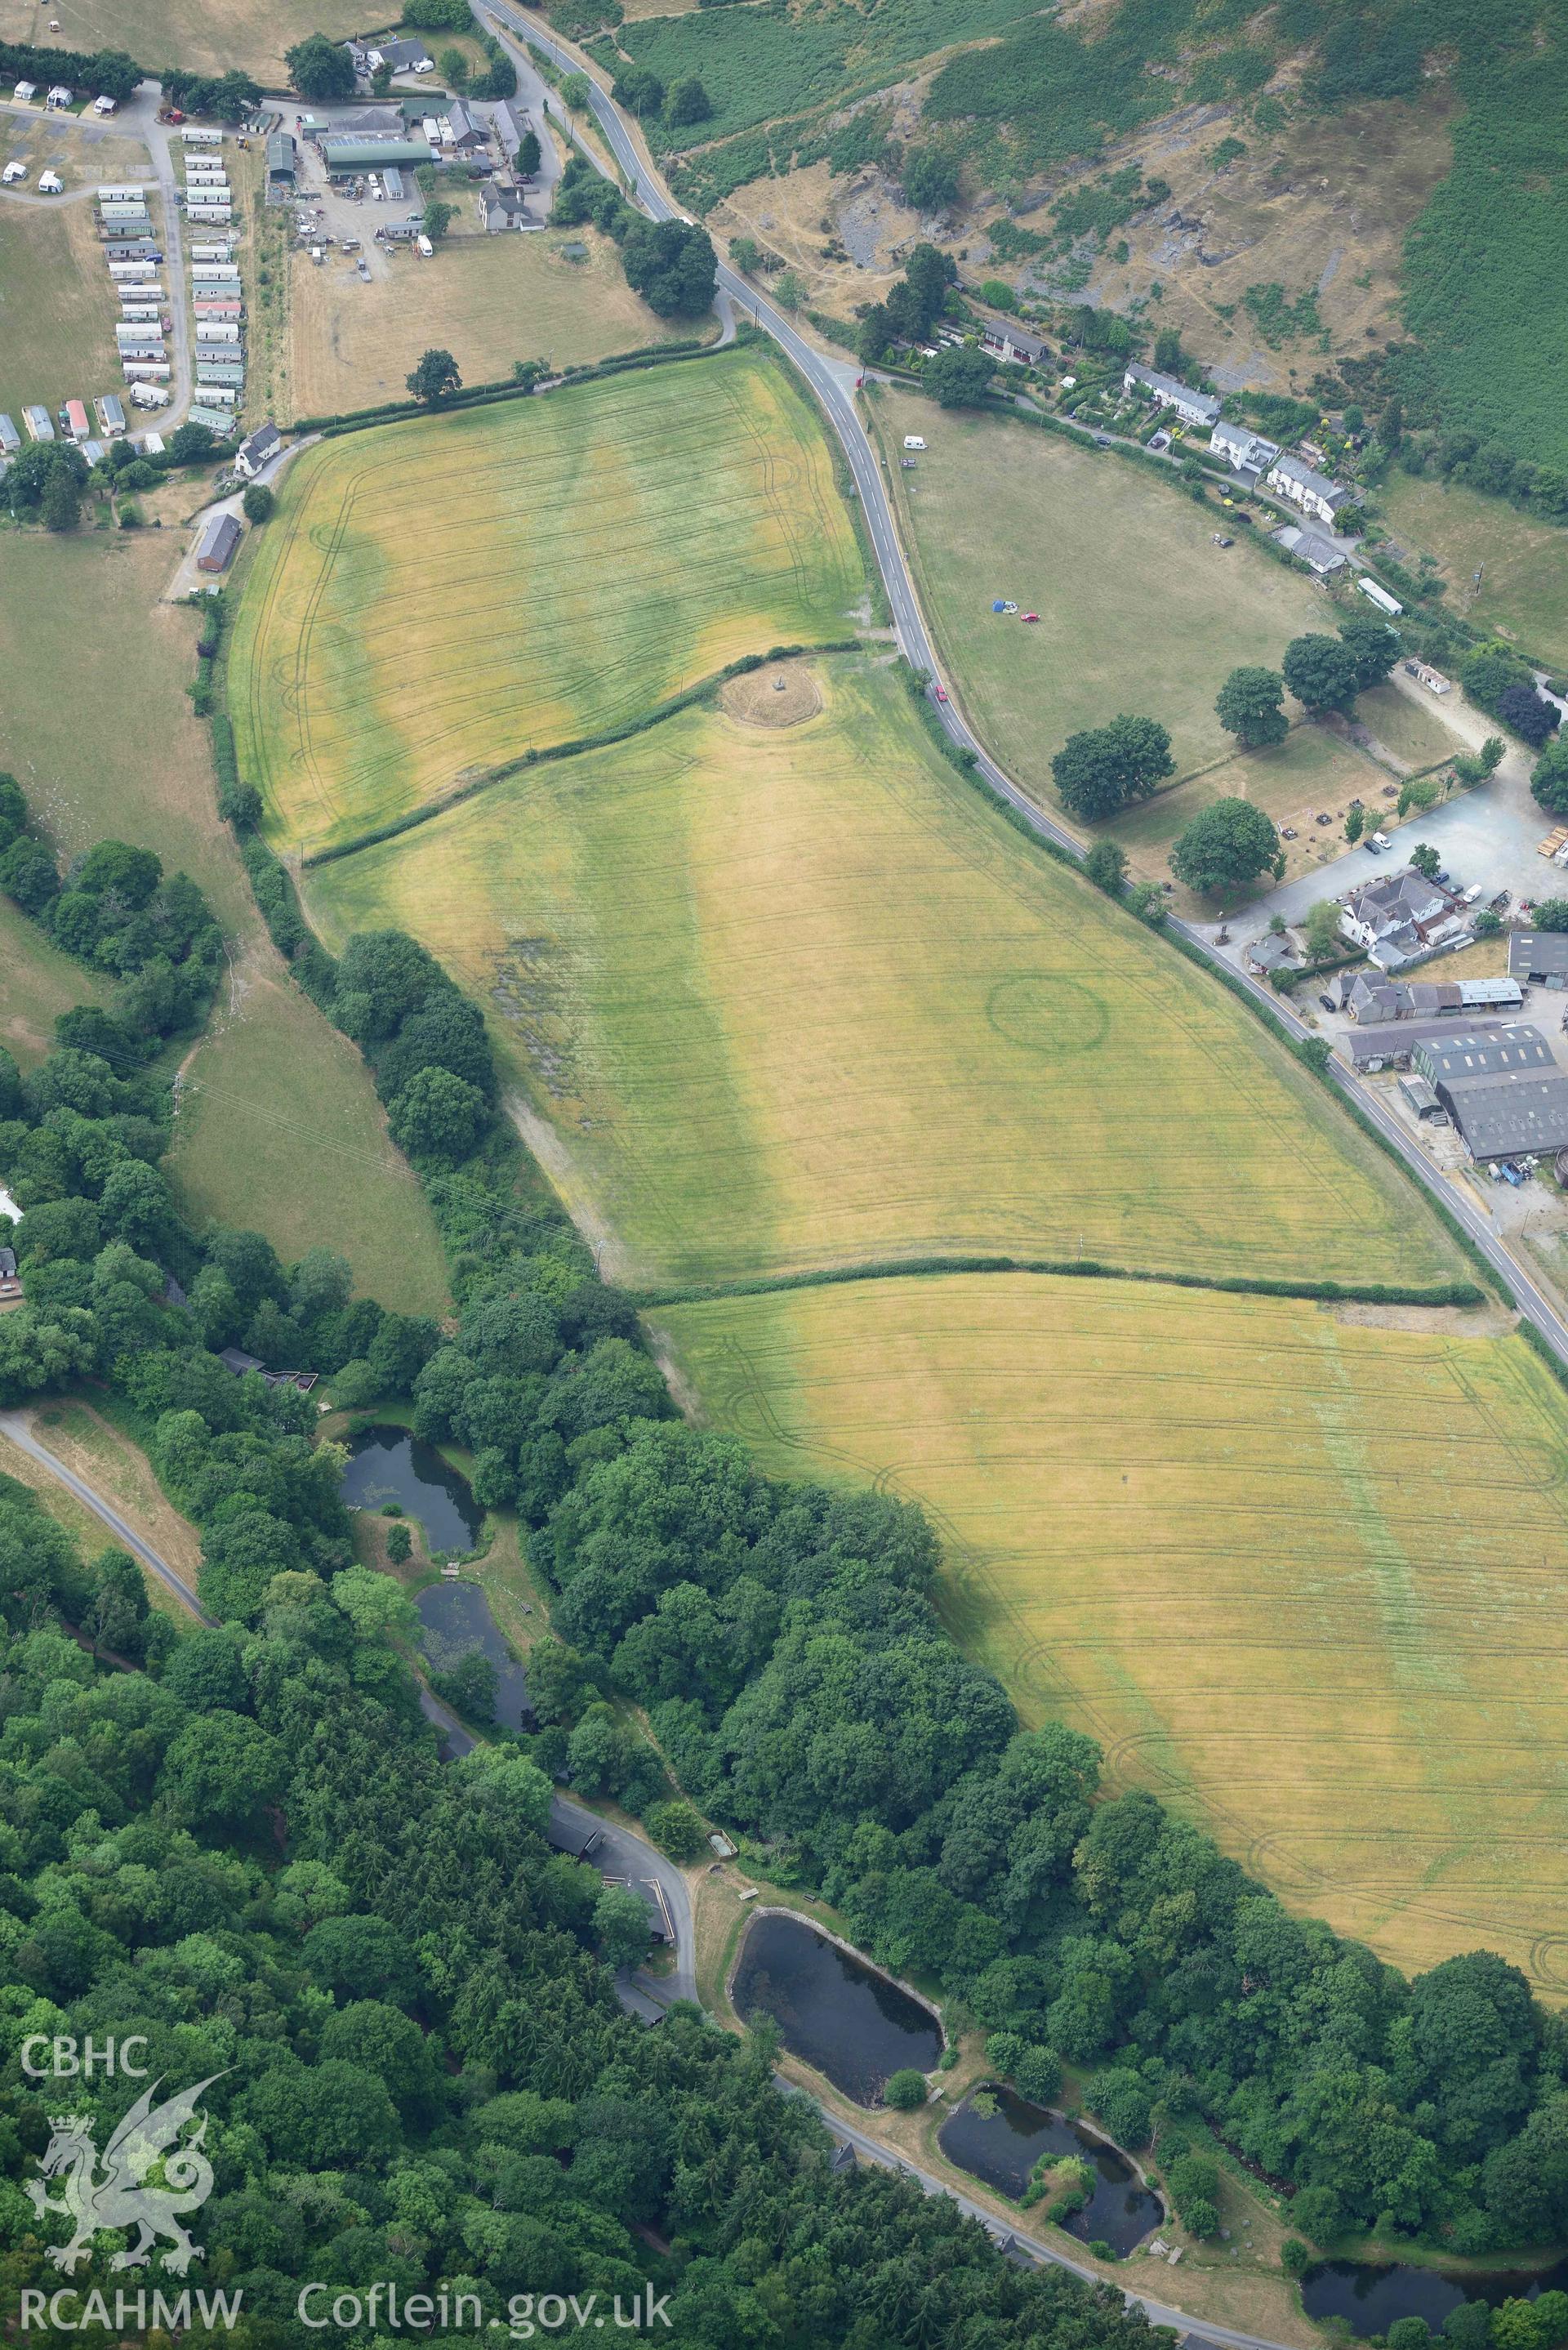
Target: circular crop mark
1047 1013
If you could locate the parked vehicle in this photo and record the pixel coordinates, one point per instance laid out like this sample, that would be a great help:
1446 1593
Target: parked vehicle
1030 618
913 440
13 172
50 184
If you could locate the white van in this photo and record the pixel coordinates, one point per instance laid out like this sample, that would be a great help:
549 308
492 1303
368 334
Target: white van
913 440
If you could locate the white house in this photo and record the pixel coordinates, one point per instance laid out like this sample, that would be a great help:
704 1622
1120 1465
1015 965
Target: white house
256 450
1192 407
1247 451
1313 493
1399 916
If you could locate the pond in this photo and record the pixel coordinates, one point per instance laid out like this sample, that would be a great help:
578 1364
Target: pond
1369 2295
833 2011
457 1618
1003 2148
387 1464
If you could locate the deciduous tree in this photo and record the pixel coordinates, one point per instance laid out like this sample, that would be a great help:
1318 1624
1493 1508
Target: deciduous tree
1251 704
1227 844
1104 769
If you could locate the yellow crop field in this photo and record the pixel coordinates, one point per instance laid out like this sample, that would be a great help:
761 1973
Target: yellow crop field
436 598
1297 1573
788 996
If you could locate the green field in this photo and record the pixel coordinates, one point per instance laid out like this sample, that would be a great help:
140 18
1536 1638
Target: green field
1138 609
39 983
795 997
1296 1575
1523 562
437 598
57 310
288 1137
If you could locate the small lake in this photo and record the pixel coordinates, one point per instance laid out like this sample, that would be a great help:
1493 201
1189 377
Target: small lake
833 2011
457 1618
387 1464
1369 2296
1003 2148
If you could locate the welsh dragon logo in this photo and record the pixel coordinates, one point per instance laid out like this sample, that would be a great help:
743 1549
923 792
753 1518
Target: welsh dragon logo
121 2198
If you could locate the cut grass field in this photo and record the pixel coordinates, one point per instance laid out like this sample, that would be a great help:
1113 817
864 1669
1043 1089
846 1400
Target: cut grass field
196 34
1138 609
1314 769
1523 562
437 598
282 1132
789 998
1295 1572
57 311
488 300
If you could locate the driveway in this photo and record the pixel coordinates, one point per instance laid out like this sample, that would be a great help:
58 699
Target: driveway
187 579
1490 835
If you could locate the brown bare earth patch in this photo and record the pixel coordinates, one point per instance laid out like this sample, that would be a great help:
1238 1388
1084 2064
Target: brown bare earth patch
1468 1321
783 694
1323 204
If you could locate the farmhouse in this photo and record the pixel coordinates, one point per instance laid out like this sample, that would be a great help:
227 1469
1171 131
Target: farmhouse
398 56
1244 450
1011 343
1314 493
1319 553
218 541
1502 1089
1539 955
1399 917
1192 407
502 207
256 450
280 159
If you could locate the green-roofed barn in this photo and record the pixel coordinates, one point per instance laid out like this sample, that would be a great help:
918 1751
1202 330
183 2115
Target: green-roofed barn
373 154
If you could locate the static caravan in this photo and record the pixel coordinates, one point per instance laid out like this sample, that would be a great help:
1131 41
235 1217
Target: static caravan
132 273
214 272
40 424
217 395
144 370
213 419
132 193
211 215
109 414
218 330
201 174
141 314
10 438
219 250
77 424
233 377
194 137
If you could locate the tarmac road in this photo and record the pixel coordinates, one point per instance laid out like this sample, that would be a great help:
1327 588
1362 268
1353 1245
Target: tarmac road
13 1425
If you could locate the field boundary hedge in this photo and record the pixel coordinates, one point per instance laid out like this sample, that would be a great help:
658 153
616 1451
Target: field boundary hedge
1376 1293
703 691
484 395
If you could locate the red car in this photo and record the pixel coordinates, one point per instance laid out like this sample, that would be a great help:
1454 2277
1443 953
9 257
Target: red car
1030 616
940 692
